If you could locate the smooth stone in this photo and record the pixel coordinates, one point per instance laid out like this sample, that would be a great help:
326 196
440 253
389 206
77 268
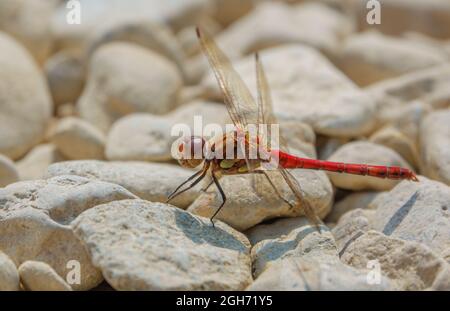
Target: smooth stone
113 13
351 226
418 212
28 22
394 139
35 218
142 245
404 117
321 95
364 152
226 12
435 146
145 33
370 56
294 24
66 76
77 139
350 202
426 85
26 106
9 277
8 171
296 274
290 238
126 78
34 165
39 276
148 181
410 265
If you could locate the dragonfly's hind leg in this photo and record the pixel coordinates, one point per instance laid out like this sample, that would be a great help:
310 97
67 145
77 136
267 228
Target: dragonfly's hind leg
204 189
222 194
291 206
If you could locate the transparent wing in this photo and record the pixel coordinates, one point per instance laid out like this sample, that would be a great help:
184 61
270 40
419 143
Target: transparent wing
265 110
238 99
266 116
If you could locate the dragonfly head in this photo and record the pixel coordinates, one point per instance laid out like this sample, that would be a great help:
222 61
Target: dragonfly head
190 151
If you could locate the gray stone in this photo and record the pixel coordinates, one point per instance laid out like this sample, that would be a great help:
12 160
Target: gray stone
141 245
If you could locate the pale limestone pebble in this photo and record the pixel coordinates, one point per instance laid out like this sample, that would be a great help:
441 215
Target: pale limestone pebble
142 245
226 12
8 171
145 33
246 206
187 37
416 211
294 24
26 92
9 277
140 137
208 112
321 95
364 152
111 13
394 139
326 145
149 181
351 226
77 139
65 75
405 117
428 85
370 56
442 280
147 137
435 146
35 163
35 218
39 276
410 265
28 21
400 16
350 202
297 274
290 238
66 110
125 78
299 136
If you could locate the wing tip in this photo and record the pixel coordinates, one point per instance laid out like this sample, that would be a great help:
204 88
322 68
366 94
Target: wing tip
198 31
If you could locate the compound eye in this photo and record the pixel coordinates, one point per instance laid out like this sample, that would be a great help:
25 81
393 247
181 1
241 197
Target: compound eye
181 147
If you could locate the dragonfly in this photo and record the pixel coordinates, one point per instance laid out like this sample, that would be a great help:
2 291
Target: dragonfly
244 111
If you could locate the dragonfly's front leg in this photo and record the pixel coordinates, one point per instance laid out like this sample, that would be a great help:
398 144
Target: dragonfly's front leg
222 194
202 174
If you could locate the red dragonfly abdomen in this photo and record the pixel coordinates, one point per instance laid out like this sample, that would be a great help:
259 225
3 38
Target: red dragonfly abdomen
392 172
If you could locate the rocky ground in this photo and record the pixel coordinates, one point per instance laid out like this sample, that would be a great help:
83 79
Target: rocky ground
85 162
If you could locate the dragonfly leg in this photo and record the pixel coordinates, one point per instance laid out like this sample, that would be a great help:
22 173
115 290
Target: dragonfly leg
207 187
291 206
202 174
222 194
